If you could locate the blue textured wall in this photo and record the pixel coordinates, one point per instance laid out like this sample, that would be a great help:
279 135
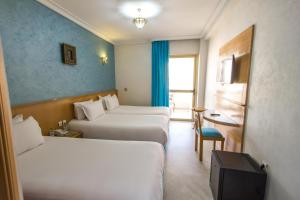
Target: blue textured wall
31 35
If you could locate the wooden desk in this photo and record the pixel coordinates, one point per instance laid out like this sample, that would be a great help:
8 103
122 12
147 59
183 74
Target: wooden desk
221 119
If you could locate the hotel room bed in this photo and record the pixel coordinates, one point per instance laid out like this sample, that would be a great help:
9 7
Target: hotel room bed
141 110
69 168
124 127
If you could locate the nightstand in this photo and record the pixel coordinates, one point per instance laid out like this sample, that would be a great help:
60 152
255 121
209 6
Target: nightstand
72 134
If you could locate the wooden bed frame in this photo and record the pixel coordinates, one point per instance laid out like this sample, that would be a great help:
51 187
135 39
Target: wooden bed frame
49 113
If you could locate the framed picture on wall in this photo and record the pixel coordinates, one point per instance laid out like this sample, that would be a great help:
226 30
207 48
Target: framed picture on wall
69 54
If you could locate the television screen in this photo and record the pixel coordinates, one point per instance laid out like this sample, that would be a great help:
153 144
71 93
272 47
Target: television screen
226 71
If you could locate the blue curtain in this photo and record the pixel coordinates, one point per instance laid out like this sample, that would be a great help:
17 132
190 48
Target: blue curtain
160 73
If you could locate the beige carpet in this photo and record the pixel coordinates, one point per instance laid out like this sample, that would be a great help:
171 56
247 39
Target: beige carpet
186 178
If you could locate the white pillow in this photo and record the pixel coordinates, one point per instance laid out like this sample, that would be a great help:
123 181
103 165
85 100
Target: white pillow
17 119
115 101
103 102
93 110
79 114
106 100
27 135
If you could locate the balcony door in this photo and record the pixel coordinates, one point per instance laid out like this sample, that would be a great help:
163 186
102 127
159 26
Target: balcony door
182 82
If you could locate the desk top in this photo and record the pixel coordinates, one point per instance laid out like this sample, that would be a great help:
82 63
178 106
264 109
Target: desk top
220 119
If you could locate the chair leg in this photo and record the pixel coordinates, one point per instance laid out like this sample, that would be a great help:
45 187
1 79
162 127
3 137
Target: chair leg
196 141
214 144
222 145
201 149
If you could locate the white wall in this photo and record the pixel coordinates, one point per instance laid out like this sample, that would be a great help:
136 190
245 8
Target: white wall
133 71
184 47
272 130
202 72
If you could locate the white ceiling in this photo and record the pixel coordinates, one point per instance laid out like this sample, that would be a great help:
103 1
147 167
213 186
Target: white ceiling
179 19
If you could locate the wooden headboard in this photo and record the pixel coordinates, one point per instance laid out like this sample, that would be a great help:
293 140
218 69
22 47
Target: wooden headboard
49 113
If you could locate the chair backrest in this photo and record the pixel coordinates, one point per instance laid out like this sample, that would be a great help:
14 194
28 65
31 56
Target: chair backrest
198 124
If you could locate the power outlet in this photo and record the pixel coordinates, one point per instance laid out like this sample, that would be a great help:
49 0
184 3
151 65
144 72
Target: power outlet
265 165
60 123
64 122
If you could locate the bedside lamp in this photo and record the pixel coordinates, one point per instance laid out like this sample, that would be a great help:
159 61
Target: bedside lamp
104 59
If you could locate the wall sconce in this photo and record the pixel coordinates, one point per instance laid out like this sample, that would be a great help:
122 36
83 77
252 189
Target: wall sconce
104 60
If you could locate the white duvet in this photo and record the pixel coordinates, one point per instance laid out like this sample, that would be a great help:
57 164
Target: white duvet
125 127
85 169
141 110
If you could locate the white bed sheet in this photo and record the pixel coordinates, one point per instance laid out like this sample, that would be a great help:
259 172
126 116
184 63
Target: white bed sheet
77 169
141 110
124 127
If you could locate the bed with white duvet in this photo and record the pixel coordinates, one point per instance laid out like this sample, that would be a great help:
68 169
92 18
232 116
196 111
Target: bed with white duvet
77 169
58 168
112 106
141 110
124 127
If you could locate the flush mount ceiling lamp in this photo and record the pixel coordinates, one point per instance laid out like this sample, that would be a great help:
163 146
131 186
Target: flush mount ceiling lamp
140 11
139 21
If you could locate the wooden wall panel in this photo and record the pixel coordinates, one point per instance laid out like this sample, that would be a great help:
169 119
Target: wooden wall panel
231 99
239 45
49 113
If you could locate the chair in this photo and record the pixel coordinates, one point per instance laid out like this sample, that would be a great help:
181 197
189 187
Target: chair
211 134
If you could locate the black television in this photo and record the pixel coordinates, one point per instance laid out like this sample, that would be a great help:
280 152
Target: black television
226 70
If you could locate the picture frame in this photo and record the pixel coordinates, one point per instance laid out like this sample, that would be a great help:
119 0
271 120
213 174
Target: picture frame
69 54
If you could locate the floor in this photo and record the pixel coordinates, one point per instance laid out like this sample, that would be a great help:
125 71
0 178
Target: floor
186 178
181 113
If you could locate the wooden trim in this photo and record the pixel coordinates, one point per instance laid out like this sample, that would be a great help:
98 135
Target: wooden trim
184 56
49 113
183 91
230 100
252 29
9 187
83 96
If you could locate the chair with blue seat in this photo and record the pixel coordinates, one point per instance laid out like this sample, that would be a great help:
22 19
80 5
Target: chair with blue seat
202 134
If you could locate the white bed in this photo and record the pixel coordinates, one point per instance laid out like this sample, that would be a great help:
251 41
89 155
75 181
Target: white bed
77 169
141 110
124 127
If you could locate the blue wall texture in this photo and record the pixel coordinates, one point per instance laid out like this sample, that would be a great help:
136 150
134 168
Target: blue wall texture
31 36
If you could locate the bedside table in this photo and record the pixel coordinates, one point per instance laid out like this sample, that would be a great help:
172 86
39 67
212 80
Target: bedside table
72 134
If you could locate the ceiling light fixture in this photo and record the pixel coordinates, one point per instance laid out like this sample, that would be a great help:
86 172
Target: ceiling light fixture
139 21
140 11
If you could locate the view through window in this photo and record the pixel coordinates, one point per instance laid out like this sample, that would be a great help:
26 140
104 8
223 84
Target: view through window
182 86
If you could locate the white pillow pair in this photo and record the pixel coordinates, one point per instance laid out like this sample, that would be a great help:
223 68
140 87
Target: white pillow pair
111 102
93 110
79 114
27 134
